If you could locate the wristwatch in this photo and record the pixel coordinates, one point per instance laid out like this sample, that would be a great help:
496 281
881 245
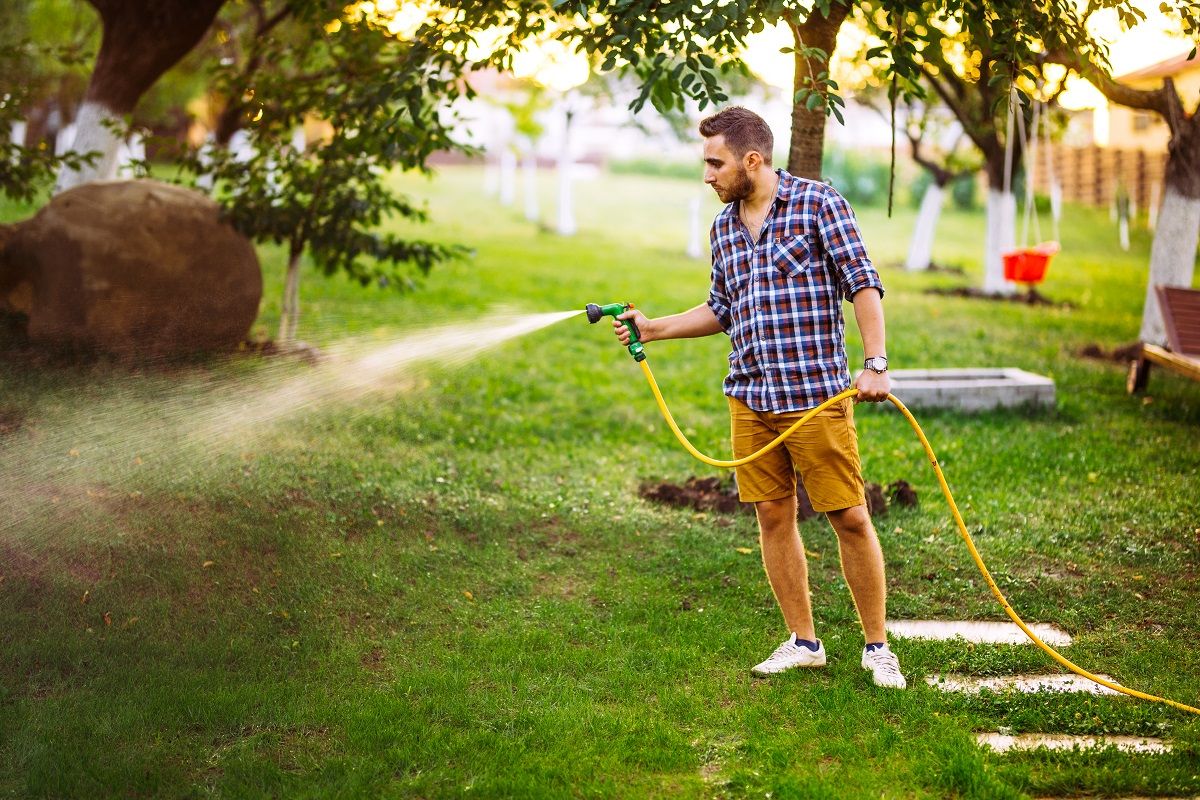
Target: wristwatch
876 364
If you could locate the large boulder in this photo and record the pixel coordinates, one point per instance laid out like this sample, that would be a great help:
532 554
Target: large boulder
139 269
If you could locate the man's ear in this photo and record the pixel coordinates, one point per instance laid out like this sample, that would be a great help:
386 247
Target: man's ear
752 160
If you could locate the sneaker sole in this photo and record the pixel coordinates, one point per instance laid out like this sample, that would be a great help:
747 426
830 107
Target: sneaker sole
762 673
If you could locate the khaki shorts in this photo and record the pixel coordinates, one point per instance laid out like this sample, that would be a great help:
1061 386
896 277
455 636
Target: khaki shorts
823 451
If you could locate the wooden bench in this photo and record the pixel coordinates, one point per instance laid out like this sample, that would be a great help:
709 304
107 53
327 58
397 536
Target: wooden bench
1181 317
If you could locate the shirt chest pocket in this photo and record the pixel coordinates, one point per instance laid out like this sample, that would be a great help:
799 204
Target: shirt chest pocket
793 255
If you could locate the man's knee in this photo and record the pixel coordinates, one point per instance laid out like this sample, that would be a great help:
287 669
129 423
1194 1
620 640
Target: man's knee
776 515
854 522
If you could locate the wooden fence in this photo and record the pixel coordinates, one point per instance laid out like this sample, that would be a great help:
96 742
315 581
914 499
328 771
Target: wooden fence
1093 175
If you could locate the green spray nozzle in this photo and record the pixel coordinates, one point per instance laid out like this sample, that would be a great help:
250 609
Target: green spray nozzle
595 312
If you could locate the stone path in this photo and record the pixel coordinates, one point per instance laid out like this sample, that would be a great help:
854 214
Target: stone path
1008 633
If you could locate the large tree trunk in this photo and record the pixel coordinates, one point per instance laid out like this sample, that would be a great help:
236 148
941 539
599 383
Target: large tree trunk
1177 230
808 126
920 250
142 40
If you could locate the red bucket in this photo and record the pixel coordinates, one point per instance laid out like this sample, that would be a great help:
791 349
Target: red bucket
1029 265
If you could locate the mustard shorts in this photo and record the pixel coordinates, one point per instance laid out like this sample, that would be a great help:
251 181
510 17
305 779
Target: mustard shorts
824 452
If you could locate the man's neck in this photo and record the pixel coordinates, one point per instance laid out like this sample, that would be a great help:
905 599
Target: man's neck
765 188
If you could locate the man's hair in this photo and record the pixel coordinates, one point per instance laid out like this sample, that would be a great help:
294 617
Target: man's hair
743 131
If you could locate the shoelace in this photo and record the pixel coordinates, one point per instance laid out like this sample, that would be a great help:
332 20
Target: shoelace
784 650
884 661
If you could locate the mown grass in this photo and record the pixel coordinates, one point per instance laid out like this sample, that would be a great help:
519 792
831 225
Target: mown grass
452 589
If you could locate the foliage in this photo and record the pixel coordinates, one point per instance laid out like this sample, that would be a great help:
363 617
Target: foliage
26 171
45 46
861 177
379 107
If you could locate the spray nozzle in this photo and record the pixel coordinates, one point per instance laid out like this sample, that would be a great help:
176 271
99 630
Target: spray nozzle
595 312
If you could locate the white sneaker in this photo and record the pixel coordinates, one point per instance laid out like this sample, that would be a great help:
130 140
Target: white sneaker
790 655
884 668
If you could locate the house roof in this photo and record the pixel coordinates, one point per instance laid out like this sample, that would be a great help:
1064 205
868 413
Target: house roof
1162 69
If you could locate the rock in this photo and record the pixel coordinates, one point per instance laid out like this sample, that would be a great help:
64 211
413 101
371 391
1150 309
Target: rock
138 269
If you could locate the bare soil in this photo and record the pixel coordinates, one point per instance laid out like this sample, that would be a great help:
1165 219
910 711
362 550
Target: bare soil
1121 354
720 495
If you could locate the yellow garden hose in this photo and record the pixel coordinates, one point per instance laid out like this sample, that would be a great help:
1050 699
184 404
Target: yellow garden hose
962 527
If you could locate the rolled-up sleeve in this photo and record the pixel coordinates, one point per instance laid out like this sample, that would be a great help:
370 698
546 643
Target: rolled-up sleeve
844 246
718 300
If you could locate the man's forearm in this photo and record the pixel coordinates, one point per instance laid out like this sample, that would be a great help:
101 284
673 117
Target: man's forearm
690 324
868 313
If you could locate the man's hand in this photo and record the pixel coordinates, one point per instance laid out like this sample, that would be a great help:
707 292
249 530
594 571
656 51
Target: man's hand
873 387
639 320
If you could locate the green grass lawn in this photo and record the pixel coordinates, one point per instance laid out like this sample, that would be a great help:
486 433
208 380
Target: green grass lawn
451 588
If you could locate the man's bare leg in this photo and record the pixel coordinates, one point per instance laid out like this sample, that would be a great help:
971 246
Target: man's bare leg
787 568
862 564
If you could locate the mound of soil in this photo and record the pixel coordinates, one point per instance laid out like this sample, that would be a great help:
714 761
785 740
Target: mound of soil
716 494
1122 354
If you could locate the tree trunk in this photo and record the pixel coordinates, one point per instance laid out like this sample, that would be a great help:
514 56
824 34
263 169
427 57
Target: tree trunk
920 250
1172 256
142 40
289 317
1177 228
808 126
529 170
1001 237
1001 221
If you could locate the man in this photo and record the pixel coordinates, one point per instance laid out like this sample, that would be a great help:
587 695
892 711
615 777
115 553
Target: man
785 252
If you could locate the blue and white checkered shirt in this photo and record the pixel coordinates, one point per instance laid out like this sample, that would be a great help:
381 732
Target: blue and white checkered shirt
780 298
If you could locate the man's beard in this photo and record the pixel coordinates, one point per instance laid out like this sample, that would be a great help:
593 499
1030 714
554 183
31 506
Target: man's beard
739 190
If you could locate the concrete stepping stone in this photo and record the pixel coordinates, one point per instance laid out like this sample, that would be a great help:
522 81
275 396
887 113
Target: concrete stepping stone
1028 684
1003 743
977 631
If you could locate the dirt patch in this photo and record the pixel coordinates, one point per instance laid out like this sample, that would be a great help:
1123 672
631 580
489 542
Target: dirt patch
721 496
1032 297
1121 354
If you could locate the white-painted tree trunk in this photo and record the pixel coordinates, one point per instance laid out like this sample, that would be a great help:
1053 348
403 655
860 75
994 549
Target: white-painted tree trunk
508 177
529 168
299 139
566 202
64 138
128 153
695 247
1172 257
491 178
93 133
1001 237
1152 209
920 249
289 317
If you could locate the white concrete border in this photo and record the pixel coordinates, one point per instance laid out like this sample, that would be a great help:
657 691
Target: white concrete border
972 389
977 631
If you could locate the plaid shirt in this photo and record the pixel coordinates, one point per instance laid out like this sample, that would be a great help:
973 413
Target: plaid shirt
780 299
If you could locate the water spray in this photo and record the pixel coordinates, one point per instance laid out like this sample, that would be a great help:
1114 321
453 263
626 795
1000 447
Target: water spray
595 312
